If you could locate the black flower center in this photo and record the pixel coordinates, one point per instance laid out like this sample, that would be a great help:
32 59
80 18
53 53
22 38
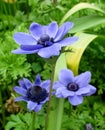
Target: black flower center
37 94
45 38
72 87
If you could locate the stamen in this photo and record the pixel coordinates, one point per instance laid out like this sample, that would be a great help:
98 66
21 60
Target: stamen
37 94
72 87
45 38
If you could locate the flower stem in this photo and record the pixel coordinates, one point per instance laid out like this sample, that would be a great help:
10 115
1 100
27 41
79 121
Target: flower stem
50 93
32 125
56 105
54 2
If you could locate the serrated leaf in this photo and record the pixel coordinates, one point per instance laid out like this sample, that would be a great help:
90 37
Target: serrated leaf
78 7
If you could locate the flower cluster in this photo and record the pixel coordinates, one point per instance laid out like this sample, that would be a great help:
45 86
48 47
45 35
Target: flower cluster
47 41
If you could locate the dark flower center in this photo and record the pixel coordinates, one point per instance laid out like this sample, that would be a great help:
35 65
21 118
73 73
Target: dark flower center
45 38
37 94
72 87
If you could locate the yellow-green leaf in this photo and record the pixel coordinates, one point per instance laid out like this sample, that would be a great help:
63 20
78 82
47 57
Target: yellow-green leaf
73 58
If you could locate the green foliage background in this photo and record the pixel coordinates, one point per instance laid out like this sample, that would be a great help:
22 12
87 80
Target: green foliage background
16 17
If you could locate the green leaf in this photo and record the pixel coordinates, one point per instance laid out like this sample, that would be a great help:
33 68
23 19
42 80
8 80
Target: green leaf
78 7
73 58
86 22
61 63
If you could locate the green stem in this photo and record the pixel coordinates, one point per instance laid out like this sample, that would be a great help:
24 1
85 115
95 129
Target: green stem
54 2
56 104
32 125
50 93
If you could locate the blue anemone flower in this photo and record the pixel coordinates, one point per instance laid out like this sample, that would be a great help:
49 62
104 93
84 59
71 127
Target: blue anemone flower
35 94
73 88
44 40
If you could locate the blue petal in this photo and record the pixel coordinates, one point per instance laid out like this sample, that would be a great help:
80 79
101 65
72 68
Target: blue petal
47 52
66 76
38 108
48 43
20 51
31 47
75 100
46 85
63 30
59 92
47 98
37 80
31 105
92 90
83 90
20 90
52 29
25 83
67 93
21 99
24 39
36 30
83 79
57 84
68 41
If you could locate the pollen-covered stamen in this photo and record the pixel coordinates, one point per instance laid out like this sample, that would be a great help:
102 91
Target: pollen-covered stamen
37 94
45 38
72 86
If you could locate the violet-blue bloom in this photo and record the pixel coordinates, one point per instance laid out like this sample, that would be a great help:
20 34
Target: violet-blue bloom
73 88
35 94
44 40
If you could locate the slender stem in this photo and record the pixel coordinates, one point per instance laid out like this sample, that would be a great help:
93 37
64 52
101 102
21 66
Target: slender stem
50 93
54 2
32 125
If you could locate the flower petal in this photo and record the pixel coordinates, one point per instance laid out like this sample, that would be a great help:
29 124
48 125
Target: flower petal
52 29
48 43
68 41
27 83
75 100
36 30
24 39
92 90
47 98
63 30
20 99
20 51
46 84
82 90
38 108
57 84
37 80
67 93
59 92
31 47
66 76
20 90
47 52
83 79
31 105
